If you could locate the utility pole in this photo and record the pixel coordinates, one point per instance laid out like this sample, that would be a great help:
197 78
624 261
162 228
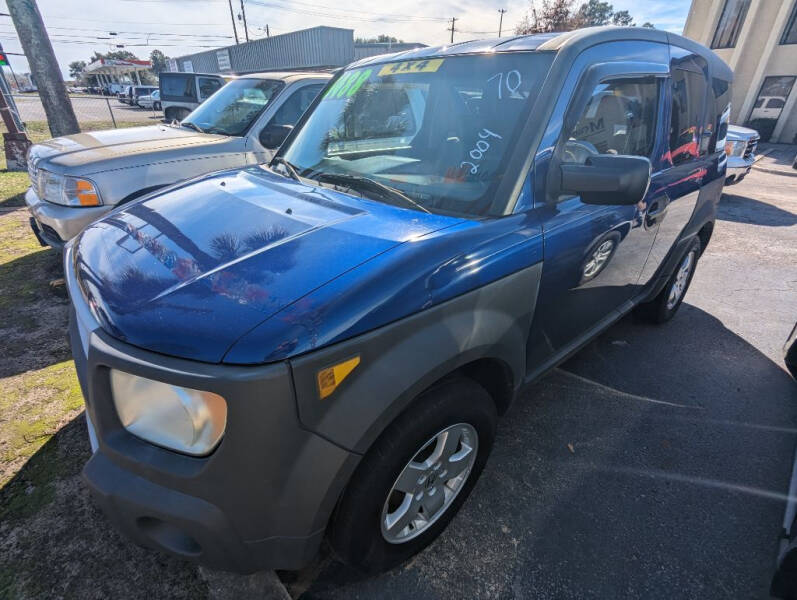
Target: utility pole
41 58
453 23
267 33
232 16
501 20
243 12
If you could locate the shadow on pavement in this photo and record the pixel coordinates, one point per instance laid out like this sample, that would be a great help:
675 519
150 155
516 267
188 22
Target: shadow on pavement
742 209
682 442
778 154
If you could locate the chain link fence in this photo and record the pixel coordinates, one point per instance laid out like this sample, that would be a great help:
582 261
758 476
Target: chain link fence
93 113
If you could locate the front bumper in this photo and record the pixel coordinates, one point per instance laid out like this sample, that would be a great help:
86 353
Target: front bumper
54 225
260 500
738 168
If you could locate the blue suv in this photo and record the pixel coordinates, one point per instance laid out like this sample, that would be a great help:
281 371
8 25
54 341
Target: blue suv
322 346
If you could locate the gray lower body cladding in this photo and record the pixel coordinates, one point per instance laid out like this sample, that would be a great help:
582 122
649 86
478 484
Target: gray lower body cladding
262 499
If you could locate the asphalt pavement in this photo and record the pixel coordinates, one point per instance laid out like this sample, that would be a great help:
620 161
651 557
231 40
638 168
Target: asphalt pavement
653 464
88 109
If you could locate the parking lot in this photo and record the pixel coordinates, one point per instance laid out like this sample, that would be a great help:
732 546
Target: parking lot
88 110
654 463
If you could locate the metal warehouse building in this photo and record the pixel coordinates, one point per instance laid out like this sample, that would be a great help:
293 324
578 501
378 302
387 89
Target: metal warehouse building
313 48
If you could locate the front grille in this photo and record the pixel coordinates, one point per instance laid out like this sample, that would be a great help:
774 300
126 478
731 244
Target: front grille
752 144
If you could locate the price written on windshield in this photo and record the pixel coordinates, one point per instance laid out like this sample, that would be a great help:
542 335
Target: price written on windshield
511 80
479 152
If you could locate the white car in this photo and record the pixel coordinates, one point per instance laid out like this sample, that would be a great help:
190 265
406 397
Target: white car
152 101
767 107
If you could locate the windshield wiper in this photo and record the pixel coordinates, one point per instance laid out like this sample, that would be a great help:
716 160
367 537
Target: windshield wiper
366 183
191 125
289 168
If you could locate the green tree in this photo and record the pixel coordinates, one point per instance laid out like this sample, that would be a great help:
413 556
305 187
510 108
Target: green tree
159 61
557 15
648 24
593 13
76 68
380 39
554 15
115 55
623 18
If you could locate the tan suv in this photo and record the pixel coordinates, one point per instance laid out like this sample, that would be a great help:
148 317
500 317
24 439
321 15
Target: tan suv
78 178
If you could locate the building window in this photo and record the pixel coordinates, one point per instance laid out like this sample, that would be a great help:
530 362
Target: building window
790 34
770 102
730 23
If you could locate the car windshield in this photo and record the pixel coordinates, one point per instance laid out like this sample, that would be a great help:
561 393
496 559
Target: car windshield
438 130
233 109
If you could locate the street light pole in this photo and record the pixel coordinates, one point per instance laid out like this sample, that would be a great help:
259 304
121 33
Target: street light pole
232 16
243 12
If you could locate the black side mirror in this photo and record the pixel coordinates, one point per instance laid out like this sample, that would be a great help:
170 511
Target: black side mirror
607 179
272 136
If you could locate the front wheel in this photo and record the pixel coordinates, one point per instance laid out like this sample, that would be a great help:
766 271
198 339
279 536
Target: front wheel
664 306
415 477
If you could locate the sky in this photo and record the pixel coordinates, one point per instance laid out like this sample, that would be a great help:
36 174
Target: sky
79 27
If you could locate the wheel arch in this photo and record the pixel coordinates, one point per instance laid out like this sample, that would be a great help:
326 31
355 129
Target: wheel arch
481 335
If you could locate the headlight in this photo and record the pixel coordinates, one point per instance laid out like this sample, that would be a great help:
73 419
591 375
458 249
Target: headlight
735 148
178 418
68 191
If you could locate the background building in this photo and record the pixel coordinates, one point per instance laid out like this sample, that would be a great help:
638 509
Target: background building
758 40
314 48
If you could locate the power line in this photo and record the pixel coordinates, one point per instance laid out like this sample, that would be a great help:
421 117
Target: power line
326 12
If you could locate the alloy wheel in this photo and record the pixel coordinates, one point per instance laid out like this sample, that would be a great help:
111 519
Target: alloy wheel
681 280
429 482
598 259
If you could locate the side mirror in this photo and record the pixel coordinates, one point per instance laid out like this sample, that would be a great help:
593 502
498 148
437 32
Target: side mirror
272 136
607 179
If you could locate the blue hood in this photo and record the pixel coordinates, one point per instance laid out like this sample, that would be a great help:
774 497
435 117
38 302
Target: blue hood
189 272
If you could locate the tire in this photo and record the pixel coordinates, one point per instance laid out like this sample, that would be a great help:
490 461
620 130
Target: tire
358 531
175 114
664 306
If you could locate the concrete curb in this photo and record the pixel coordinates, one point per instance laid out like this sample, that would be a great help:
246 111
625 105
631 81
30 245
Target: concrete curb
786 172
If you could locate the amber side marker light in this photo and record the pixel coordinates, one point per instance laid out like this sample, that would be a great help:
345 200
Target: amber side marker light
331 377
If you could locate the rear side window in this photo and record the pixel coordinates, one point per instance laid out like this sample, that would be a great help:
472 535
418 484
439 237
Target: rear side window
620 118
721 92
688 102
177 86
208 86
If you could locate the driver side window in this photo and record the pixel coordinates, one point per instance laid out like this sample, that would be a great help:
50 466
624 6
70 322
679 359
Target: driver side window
620 118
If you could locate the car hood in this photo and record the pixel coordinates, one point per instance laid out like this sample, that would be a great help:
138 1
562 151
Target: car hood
100 150
188 272
737 132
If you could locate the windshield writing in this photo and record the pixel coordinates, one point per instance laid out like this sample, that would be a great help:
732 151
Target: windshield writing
438 130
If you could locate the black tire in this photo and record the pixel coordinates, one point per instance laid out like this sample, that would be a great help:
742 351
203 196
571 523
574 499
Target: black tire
355 531
175 114
658 310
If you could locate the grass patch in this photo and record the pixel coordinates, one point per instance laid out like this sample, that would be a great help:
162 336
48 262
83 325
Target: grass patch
35 405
